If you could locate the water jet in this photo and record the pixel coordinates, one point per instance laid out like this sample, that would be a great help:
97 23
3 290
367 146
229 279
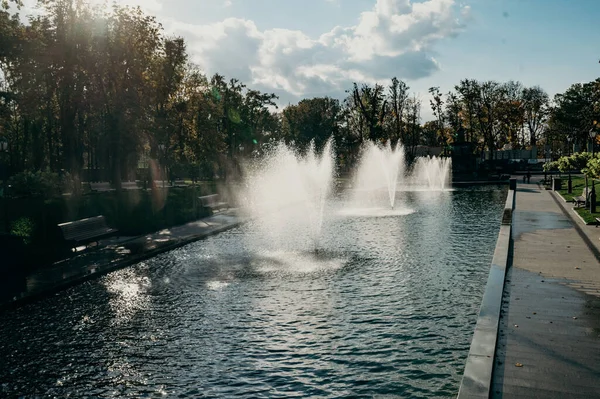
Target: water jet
287 192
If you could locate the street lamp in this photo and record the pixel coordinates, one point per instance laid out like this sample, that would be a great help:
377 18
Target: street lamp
593 134
570 182
3 151
161 147
547 153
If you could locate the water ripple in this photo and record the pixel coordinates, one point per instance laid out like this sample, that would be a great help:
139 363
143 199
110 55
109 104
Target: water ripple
385 308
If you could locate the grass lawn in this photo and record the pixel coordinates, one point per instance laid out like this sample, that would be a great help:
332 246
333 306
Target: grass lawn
578 186
588 217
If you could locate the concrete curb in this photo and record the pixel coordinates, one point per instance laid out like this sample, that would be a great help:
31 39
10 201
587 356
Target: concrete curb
581 218
477 377
111 267
578 228
558 196
561 197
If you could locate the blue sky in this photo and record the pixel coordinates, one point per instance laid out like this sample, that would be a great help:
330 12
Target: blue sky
319 47
551 43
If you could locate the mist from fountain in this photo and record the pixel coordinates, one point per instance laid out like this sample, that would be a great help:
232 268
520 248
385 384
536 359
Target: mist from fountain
432 173
378 173
382 173
286 193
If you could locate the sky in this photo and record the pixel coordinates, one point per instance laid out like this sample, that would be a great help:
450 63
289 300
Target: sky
309 48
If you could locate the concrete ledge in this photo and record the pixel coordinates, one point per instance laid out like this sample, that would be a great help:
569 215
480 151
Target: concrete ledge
480 183
477 378
582 219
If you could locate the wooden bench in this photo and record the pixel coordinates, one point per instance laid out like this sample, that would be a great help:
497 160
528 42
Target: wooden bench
580 200
85 231
212 202
597 222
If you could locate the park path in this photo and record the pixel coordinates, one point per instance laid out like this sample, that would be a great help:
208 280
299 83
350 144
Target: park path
549 334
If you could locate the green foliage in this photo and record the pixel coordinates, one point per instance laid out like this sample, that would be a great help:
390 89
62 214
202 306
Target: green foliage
587 216
315 120
24 228
132 212
564 164
578 185
593 167
35 184
536 109
579 161
550 166
85 88
576 161
576 111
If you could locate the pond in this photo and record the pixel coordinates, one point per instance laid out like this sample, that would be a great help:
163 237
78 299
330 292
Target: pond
386 306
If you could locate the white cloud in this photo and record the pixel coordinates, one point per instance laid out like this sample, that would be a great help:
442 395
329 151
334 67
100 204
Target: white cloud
394 38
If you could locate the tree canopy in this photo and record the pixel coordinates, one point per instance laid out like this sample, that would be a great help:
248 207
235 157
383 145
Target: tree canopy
107 92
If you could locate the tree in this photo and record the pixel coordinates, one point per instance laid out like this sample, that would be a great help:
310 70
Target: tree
487 110
230 97
452 114
372 105
511 113
577 108
398 95
429 134
437 106
536 108
315 119
127 52
257 119
413 126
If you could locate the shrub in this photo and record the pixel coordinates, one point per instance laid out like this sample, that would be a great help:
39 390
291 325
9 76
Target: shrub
24 228
550 166
35 184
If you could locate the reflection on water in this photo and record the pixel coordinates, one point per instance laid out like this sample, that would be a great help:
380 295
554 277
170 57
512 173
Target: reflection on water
374 212
128 292
386 306
216 285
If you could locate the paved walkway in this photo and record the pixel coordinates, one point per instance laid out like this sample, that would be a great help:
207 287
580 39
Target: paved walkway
549 335
112 254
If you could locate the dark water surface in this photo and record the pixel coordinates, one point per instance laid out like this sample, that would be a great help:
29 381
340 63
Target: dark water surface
386 308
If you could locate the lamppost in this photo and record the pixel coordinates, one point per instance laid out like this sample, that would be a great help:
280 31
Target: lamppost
593 134
570 182
545 167
3 152
161 147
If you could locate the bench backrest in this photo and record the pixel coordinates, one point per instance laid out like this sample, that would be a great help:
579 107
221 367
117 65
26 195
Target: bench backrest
209 199
84 227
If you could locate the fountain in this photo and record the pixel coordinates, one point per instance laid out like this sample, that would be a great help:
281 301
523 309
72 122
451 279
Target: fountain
378 173
432 173
382 173
256 306
288 192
